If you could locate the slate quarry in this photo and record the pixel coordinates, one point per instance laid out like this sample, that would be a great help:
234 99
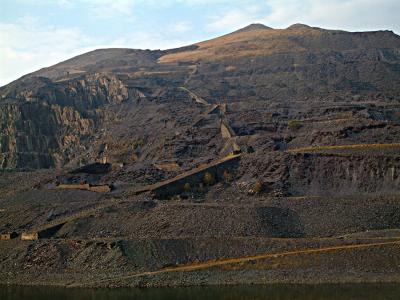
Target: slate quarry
310 116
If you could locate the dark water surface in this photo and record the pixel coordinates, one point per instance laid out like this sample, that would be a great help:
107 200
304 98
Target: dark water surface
256 292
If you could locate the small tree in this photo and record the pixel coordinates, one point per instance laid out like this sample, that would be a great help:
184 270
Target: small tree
208 178
227 176
200 188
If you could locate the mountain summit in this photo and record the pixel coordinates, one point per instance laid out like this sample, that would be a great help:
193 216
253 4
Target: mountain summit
299 26
255 26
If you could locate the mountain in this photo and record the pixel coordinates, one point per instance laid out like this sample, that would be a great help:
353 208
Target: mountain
239 140
286 67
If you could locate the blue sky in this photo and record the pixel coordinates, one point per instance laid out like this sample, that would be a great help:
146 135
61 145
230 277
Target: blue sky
39 33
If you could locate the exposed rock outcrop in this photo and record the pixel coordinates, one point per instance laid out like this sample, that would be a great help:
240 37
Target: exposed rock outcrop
45 124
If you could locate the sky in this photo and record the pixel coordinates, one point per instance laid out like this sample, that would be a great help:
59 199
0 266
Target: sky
40 33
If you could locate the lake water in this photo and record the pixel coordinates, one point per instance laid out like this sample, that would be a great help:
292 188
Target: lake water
270 292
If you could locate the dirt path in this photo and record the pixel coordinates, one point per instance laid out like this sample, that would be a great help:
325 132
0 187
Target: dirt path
197 98
228 261
191 74
78 215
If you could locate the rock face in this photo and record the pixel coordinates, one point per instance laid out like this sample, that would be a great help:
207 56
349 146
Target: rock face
40 136
43 123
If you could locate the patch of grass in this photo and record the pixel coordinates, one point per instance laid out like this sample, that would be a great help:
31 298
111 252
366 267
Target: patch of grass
294 124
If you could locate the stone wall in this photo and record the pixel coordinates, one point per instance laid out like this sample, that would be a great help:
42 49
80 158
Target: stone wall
175 186
8 236
86 187
29 236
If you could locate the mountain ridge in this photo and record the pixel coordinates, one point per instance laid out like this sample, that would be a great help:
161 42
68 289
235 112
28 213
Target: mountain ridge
106 54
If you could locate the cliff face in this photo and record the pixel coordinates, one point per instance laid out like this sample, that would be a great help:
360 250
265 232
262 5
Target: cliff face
45 124
86 92
40 136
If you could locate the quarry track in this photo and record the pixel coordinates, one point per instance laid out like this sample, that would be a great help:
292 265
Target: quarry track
238 260
79 215
345 147
193 72
196 98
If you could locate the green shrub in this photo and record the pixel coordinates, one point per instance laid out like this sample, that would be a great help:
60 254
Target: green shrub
200 188
187 187
137 143
208 179
294 124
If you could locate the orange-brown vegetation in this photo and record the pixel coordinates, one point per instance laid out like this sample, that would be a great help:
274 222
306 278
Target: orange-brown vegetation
169 167
294 124
239 44
227 176
345 147
258 186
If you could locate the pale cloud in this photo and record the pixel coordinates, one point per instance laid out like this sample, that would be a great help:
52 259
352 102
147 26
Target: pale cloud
148 40
26 46
354 15
234 19
180 27
65 3
107 9
205 2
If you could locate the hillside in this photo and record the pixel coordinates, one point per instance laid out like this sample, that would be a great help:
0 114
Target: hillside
268 140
